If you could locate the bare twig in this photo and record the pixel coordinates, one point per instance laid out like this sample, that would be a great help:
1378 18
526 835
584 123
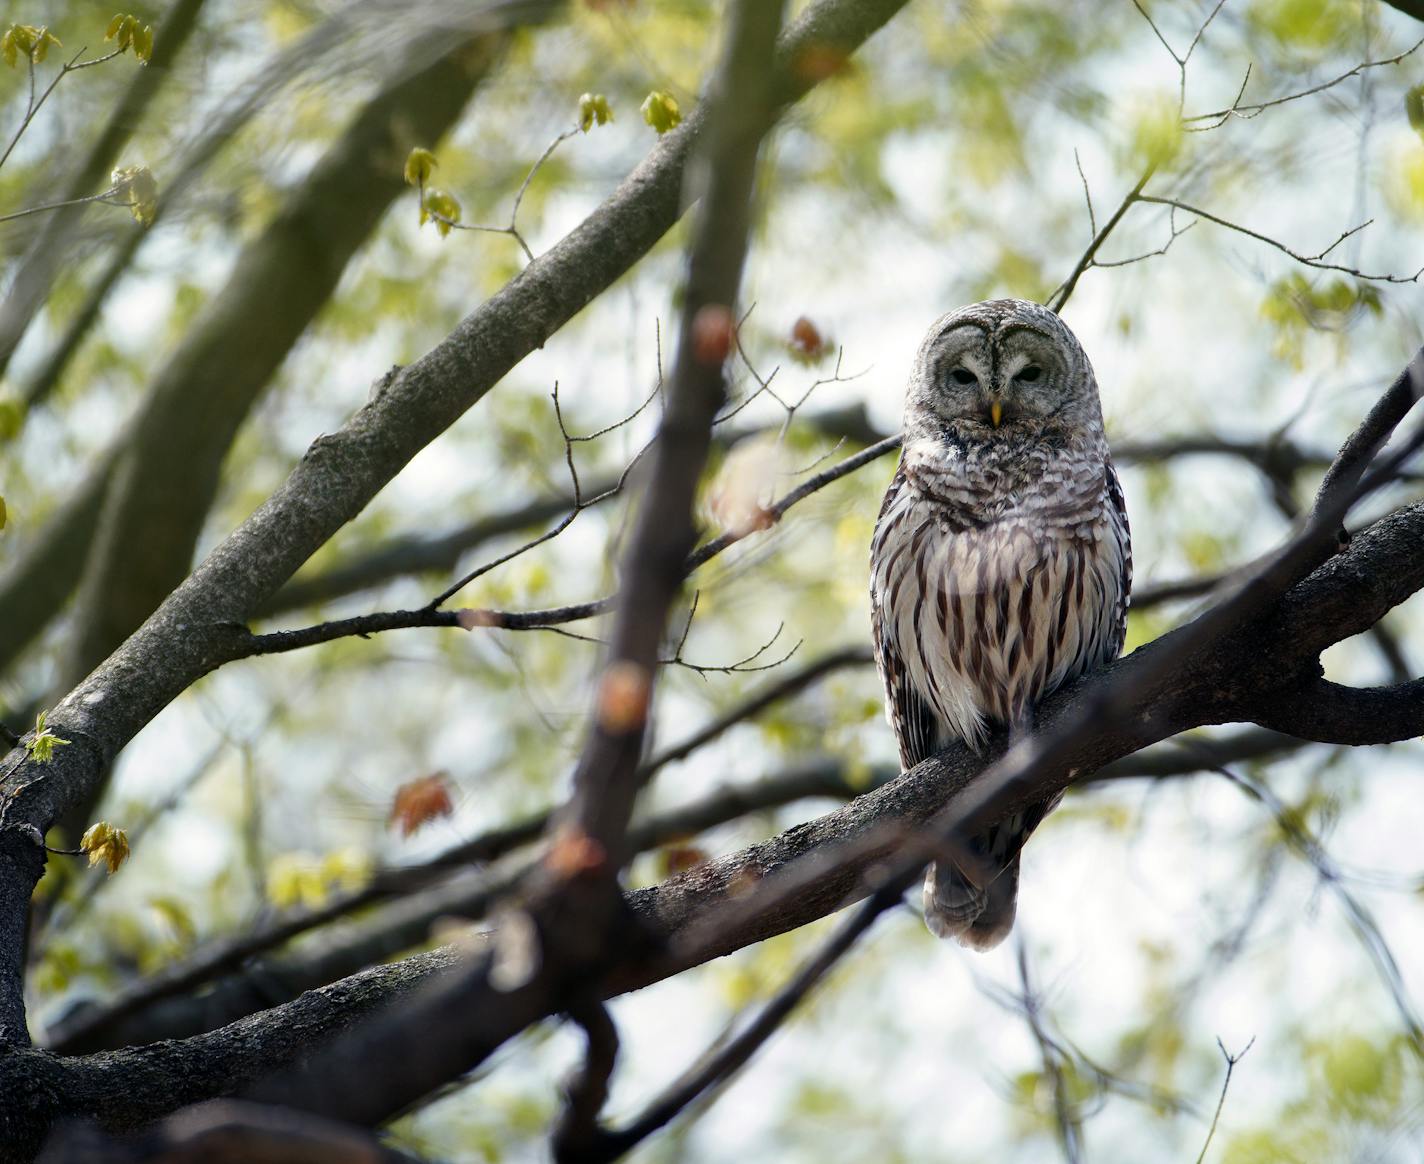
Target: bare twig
512 228
108 197
1361 921
528 620
580 501
1065 1108
1060 296
1315 260
1087 196
33 105
1181 59
1245 112
732 1054
1231 1061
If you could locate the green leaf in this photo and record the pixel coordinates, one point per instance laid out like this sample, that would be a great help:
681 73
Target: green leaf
419 165
26 40
104 843
593 110
42 43
137 186
42 745
442 207
661 111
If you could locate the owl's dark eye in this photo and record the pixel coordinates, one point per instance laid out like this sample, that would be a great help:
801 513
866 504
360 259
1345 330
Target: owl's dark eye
963 376
1030 374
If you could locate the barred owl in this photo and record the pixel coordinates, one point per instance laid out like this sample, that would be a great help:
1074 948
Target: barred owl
1001 561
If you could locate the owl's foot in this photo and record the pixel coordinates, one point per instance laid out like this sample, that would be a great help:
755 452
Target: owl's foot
979 918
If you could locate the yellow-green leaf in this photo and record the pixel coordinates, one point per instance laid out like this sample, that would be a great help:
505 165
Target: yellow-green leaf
419 165
138 187
41 747
42 43
106 844
661 111
441 206
593 110
28 41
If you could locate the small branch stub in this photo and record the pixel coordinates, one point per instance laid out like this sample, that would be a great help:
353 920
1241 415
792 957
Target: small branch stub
624 691
574 853
714 331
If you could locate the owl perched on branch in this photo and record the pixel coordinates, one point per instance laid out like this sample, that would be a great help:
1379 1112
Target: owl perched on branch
1001 561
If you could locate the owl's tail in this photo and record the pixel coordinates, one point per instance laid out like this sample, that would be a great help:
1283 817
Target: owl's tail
977 917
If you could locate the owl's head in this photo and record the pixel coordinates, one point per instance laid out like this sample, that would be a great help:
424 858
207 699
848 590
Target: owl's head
1007 372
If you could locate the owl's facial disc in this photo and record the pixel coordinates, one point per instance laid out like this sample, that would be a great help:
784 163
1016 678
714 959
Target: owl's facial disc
995 381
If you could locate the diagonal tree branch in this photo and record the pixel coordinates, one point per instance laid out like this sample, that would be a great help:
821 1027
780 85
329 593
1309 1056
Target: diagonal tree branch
703 913
193 631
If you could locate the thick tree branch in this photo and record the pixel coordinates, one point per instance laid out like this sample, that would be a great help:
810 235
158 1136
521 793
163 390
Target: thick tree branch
1209 671
1332 714
226 1132
124 1090
167 470
242 982
193 631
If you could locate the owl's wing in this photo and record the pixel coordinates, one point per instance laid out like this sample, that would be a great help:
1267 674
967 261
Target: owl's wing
910 716
1123 535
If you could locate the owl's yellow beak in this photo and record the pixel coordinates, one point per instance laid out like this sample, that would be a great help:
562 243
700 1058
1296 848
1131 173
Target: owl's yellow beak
996 412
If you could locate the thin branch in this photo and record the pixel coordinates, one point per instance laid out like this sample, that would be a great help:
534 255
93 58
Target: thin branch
531 619
1246 112
1231 1061
33 106
1173 236
107 197
1069 1122
731 1055
1361 921
1087 196
580 501
1060 296
1181 59
748 664
512 229
360 626
1315 260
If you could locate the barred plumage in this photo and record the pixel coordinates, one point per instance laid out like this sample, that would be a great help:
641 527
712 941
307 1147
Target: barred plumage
1001 562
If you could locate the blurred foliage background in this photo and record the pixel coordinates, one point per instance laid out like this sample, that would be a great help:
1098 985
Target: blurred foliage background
947 162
